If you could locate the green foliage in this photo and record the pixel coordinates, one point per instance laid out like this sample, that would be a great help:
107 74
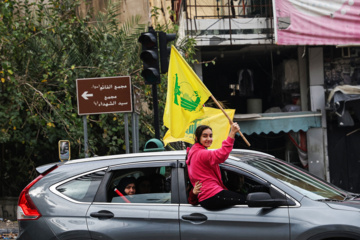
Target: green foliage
44 47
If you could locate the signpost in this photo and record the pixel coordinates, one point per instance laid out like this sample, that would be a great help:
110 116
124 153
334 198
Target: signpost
103 95
135 118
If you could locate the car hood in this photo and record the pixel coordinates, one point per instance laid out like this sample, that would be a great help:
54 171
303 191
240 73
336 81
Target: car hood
353 205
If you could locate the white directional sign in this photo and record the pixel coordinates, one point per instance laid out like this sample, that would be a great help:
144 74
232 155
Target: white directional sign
104 95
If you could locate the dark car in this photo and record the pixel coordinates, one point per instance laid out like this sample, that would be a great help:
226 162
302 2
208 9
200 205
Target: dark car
77 200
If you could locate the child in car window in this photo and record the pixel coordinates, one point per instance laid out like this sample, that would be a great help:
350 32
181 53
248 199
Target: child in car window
143 185
203 166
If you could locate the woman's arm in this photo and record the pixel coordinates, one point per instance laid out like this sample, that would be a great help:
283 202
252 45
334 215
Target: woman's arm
234 129
220 155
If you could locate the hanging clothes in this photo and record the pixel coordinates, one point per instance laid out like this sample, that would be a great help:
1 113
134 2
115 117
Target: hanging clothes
246 83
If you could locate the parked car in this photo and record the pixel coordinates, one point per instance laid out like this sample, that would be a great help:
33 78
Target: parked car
76 200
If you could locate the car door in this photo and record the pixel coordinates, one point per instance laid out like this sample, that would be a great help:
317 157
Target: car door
238 222
151 215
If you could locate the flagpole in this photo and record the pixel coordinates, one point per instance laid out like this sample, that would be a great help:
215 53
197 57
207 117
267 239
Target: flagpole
230 121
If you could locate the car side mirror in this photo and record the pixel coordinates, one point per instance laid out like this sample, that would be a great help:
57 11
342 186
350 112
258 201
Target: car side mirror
263 199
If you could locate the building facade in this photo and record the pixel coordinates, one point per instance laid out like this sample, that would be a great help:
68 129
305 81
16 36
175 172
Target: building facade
280 92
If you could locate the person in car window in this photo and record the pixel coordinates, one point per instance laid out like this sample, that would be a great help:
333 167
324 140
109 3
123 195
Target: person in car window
143 185
203 166
127 186
157 183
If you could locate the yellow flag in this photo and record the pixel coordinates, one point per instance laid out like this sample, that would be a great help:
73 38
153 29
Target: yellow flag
186 95
212 117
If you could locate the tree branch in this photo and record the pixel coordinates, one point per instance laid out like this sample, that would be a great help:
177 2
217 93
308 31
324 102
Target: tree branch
50 105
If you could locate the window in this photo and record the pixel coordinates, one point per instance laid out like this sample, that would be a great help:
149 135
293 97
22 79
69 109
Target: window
236 182
83 188
140 185
240 183
299 180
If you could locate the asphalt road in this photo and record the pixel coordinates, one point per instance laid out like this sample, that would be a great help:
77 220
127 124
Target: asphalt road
9 228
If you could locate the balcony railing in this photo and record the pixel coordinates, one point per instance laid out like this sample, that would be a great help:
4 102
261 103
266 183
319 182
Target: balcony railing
207 9
229 22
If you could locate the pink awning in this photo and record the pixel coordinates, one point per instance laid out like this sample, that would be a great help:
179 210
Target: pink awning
317 22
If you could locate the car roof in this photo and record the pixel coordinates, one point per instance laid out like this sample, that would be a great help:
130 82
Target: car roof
235 154
162 153
128 155
249 152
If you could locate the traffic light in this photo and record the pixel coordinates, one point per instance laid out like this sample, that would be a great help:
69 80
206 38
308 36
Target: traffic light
164 39
149 56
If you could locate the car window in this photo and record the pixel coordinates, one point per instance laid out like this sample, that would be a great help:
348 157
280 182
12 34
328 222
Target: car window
152 185
298 179
83 188
235 181
240 183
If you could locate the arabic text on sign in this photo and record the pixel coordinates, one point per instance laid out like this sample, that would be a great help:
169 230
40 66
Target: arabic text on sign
108 87
109 104
109 97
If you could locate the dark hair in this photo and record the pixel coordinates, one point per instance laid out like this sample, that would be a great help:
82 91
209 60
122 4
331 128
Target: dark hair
139 183
197 135
199 130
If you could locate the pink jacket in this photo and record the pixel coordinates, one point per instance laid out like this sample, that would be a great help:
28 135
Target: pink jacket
203 166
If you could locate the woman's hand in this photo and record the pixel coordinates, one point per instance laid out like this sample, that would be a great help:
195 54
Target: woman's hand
234 129
196 189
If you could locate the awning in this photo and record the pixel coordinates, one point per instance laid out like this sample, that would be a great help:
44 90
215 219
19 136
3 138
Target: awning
277 122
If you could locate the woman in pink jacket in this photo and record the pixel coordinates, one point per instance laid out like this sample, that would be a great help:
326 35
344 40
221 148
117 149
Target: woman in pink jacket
203 167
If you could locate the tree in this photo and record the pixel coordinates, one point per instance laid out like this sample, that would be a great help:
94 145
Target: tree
44 48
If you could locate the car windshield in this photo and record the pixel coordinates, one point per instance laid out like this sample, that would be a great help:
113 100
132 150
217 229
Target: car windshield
296 178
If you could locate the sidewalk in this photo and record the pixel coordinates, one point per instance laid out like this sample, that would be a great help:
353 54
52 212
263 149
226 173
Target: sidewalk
8 229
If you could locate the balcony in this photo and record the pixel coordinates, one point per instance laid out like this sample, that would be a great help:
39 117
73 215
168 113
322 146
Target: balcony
227 22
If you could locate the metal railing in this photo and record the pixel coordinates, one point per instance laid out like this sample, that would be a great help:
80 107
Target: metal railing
233 13
203 9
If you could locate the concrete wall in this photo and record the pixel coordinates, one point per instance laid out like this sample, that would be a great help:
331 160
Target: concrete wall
206 8
128 8
8 208
163 16
317 137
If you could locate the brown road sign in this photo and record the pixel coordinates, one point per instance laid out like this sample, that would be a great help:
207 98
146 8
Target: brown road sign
103 95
